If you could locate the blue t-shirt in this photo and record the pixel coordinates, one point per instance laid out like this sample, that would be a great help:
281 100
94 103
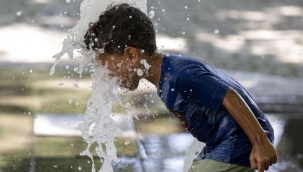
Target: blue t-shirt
194 91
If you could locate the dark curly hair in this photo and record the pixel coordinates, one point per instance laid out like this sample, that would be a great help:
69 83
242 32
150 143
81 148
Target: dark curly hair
120 26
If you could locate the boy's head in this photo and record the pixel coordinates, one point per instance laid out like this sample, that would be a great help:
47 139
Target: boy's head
121 26
126 36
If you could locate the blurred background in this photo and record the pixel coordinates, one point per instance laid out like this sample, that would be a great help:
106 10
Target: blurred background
259 43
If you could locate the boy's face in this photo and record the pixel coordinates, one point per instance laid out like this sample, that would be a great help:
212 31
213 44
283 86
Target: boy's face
121 66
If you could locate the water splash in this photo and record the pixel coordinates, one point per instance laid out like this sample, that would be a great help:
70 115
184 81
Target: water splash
97 127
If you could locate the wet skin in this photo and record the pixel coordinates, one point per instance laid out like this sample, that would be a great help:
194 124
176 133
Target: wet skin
125 67
263 153
121 66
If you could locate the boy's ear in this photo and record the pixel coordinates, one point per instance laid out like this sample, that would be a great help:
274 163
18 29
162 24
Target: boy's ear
131 54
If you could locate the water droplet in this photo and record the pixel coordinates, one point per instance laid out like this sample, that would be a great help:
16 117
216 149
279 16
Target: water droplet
76 85
127 105
67 1
79 168
19 13
144 62
185 7
30 71
172 89
151 14
101 50
52 71
183 33
139 72
216 31
126 142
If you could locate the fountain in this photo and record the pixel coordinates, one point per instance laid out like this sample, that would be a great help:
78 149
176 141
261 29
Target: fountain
97 119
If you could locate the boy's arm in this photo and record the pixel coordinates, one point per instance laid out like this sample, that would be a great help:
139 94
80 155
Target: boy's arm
263 153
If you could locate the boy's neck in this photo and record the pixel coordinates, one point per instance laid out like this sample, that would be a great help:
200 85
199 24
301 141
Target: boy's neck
154 73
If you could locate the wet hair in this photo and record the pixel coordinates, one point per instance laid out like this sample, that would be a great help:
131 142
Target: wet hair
121 26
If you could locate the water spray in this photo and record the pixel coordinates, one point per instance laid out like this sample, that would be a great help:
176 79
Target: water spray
97 127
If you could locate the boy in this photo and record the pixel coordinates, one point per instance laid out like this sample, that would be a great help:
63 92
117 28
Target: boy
211 106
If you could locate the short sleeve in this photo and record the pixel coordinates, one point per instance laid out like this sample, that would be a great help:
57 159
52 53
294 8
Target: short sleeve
202 87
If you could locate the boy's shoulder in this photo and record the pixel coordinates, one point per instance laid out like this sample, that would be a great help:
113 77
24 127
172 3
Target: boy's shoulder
177 58
176 64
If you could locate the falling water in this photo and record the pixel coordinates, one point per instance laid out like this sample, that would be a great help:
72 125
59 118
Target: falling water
97 127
